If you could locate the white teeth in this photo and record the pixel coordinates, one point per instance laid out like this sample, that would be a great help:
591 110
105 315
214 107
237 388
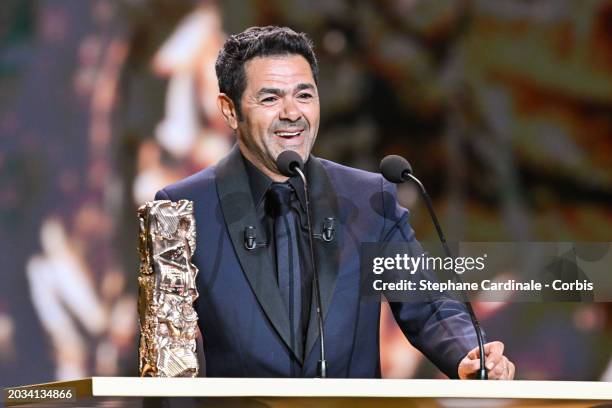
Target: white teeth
288 133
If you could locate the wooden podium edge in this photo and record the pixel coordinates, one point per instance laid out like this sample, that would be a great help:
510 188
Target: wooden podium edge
120 387
346 388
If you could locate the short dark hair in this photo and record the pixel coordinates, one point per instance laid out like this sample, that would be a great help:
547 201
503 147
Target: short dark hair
258 42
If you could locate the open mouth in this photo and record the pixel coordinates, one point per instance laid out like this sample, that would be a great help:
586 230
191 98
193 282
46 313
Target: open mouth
289 134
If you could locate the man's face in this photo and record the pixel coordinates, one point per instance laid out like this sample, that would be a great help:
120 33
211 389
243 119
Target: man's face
280 110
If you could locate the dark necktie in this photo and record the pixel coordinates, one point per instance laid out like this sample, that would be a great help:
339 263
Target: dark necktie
287 258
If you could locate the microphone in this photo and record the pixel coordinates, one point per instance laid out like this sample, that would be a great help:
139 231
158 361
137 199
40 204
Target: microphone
396 169
250 239
289 163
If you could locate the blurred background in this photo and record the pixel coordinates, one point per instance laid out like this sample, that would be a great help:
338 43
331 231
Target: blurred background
504 109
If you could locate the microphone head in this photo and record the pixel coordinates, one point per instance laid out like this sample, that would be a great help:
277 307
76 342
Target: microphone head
394 167
287 161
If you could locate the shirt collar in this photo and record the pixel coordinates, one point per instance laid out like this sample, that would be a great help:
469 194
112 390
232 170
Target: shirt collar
260 183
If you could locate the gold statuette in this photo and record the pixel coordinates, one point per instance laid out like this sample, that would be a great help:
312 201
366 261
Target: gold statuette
167 290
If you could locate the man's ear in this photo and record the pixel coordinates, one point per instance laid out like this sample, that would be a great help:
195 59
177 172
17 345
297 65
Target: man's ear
228 110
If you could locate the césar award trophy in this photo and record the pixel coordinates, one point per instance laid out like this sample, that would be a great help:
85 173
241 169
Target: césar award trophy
167 290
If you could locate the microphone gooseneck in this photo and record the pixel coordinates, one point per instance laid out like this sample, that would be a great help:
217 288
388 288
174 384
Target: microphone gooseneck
396 169
289 163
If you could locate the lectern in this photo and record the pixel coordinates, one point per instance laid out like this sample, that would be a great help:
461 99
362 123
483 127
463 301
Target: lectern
272 392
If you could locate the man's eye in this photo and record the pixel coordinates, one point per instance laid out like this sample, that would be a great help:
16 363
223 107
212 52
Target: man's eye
268 99
305 96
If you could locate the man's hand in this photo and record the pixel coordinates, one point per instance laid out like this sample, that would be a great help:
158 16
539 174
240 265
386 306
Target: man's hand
498 366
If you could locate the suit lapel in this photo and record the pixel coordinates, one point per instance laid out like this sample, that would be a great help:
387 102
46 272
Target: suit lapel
239 212
324 204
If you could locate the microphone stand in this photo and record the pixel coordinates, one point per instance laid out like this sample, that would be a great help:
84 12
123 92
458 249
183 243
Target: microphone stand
322 364
482 372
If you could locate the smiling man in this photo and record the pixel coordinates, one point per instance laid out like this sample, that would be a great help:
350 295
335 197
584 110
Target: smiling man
278 110
255 308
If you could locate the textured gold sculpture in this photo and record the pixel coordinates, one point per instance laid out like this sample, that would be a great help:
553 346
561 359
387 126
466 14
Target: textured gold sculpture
167 290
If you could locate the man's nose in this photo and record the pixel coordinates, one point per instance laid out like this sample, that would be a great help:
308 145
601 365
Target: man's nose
290 110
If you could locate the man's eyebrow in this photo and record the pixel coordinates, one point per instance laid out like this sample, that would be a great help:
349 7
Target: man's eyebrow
280 92
301 87
274 91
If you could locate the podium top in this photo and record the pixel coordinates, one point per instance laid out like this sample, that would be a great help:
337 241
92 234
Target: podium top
281 387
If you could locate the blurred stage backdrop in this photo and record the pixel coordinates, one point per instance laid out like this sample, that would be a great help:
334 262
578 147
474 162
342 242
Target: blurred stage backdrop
503 107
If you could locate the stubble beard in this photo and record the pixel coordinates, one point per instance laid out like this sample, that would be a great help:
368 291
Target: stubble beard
302 149
267 153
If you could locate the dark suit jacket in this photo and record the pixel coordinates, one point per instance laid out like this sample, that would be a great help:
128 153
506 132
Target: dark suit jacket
244 325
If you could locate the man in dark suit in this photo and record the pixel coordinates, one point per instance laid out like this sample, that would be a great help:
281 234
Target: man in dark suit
255 306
